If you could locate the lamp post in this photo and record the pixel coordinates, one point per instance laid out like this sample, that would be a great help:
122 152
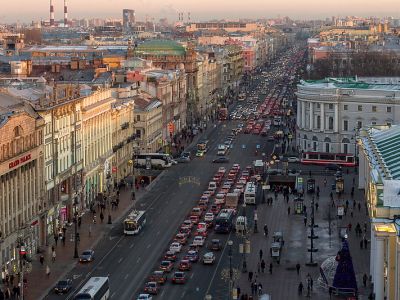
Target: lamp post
230 243
311 263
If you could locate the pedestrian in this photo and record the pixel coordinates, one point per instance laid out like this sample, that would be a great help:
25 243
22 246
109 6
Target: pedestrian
308 290
261 254
270 268
359 206
265 230
238 292
101 217
94 219
324 182
41 259
300 289
298 268
262 266
1 295
56 239
7 294
311 283
351 214
258 268
349 227
361 244
288 210
305 221
63 239
364 279
316 206
79 221
365 243
53 256
250 276
48 271
259 289
90 230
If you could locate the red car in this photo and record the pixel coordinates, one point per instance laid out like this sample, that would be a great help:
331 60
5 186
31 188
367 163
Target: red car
166 266
215 209
151 287
169 255
186 231
194 219
187 224
179 278
180 238
185 265
159 277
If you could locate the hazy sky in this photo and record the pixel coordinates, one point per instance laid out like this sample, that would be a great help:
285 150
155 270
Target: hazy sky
27 10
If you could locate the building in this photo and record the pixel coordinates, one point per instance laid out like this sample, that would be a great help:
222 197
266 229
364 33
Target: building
226 26
128 18
22 190
379 177
97 144
331 111
148 123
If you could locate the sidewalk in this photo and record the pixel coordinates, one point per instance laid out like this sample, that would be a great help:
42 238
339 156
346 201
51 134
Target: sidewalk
283 282
38 284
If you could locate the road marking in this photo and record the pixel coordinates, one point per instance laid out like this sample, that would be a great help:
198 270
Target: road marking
126 276
158 233
120 260
183 294
191 276
112 295
138 260
131 246
219 262
148 246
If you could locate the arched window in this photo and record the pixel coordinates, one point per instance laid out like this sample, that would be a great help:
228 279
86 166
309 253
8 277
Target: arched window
17 131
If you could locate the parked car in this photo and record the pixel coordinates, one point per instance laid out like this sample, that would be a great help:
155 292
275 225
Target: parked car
63 286
87 256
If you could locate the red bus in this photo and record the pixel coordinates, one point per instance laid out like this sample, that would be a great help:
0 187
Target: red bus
325 158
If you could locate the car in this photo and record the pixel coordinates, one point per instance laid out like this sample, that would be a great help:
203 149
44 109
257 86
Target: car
215 245
183 159
158 276
208 258
202 231
166 266
204 199
215 208
221 160
293 159
179 278
186 231
175 247
209 217
87 256
207 193
221 170
180 238
184 265
196 211
187 224
220 197
151 288
199 240
170 255
194 219
144 297
192 256
63 286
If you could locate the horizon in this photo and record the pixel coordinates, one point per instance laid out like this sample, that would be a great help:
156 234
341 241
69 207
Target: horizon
207 10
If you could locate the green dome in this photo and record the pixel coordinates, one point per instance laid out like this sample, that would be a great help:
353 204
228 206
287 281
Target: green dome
161 47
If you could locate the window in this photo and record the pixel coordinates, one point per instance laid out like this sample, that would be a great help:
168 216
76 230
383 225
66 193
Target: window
318 105
330 123
327 147
359 108
345 148
345 125
330 106
389 109
318 122
345 107
359 124
374 109
138 118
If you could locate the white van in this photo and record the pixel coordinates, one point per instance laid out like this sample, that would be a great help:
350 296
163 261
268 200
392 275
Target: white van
241 224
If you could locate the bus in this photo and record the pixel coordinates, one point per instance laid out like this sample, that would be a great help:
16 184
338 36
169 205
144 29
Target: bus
250 193
97 288
326 158
149 160
134 222
258 167
224 221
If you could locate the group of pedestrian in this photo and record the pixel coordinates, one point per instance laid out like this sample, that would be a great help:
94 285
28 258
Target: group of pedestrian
11 289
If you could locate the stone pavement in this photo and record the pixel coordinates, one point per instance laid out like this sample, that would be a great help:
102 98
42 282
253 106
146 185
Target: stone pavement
284 280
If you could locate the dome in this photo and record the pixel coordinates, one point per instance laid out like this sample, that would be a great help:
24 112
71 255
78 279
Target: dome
161 47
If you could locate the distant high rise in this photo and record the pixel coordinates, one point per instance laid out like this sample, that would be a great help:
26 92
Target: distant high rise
128 18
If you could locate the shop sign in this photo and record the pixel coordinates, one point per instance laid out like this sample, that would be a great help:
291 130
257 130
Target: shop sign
19 161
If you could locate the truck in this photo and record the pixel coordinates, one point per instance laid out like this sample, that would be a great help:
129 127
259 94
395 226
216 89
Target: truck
232 200
222 113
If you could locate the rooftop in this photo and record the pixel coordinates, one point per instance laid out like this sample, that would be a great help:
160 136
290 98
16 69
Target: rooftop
161 47
364 83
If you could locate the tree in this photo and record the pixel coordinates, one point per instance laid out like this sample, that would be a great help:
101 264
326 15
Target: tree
345 277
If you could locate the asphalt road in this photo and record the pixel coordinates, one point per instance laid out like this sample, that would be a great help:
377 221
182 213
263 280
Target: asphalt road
128 261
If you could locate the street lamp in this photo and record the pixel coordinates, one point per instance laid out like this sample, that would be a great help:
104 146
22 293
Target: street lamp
230 243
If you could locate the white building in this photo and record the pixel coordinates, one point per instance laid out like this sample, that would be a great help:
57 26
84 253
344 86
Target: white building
331 111
379 176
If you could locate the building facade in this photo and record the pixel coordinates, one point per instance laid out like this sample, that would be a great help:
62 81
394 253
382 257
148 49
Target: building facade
330 112
379 177
22 191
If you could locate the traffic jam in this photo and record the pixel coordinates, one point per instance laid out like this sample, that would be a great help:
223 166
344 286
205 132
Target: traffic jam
195 243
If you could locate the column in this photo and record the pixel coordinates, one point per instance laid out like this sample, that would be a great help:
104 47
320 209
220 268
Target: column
298 119
372 254
303 114
336 118
379 268
311 116
322 117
